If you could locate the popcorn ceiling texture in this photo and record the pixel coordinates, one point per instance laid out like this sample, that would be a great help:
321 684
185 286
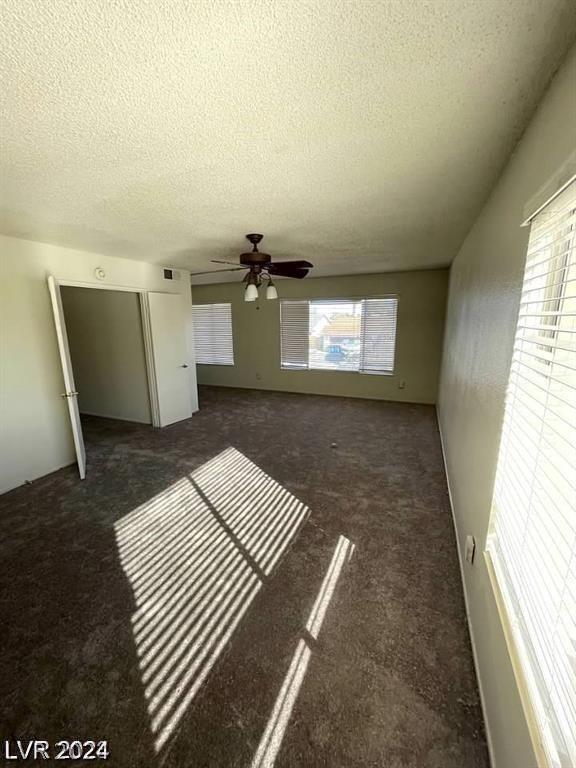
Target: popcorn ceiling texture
362 135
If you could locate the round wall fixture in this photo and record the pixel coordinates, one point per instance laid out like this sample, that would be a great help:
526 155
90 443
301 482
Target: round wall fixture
99 273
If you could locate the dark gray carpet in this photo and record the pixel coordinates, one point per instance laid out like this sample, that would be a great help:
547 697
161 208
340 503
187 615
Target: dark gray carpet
176 614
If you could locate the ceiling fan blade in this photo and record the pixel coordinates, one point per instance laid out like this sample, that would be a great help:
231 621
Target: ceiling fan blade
296 264
286 270
217 261
213 271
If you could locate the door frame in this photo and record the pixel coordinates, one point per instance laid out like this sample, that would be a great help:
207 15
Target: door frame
146 333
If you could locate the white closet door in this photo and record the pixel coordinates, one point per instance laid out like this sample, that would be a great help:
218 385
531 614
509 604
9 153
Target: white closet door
70 392
167 325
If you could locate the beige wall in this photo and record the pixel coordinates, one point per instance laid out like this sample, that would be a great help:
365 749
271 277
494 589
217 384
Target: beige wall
485 285
35 436
107 349
256 328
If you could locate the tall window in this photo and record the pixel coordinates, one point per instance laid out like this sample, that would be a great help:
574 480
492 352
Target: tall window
213 333
339 335
532 542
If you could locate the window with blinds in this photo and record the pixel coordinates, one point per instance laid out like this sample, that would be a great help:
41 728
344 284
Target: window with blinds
339 334
532 540
213 334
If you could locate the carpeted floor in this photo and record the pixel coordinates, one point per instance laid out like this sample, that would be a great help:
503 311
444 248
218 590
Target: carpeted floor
273 582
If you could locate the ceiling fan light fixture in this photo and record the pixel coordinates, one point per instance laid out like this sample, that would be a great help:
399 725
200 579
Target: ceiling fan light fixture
271 292
251 292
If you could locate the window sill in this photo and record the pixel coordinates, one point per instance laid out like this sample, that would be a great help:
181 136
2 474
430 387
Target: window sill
516 661
336 370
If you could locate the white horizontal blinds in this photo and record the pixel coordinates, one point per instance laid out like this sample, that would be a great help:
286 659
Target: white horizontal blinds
533 531
378 335
213 334
294 321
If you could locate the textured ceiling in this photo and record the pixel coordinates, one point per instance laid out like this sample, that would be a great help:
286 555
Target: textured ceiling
361 135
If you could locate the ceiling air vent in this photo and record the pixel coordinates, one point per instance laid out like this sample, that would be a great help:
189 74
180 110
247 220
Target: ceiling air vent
171 274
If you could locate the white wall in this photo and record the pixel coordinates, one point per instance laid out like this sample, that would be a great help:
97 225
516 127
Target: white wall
485 284
35 435
107 349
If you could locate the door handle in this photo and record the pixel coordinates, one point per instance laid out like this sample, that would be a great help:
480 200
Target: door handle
184 365
68 394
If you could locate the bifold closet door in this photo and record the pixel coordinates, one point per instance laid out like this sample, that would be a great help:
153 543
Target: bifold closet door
164 316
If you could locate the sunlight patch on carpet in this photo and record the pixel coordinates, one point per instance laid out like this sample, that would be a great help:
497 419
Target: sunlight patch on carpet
196 555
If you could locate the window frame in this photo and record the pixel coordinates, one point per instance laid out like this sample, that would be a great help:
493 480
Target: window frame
343 300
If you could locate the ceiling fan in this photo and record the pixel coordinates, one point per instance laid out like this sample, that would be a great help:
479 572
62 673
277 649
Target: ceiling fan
260 266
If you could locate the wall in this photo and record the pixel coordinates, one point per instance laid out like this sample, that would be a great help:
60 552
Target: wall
485 284
35 436
256 328
107 349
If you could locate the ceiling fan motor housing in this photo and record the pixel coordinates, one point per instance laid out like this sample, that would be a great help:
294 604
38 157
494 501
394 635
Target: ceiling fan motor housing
254 257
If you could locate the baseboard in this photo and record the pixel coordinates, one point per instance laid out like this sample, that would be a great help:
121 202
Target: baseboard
31 480
318 394
466 603
116 418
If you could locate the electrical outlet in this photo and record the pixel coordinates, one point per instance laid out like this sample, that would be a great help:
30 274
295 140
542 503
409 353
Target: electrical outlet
258 377
469 549
402 384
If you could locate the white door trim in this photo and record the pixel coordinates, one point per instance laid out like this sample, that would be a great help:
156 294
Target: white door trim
54 285
148 353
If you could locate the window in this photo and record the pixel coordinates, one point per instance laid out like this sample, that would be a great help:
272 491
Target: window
213 334
339 334
532 540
